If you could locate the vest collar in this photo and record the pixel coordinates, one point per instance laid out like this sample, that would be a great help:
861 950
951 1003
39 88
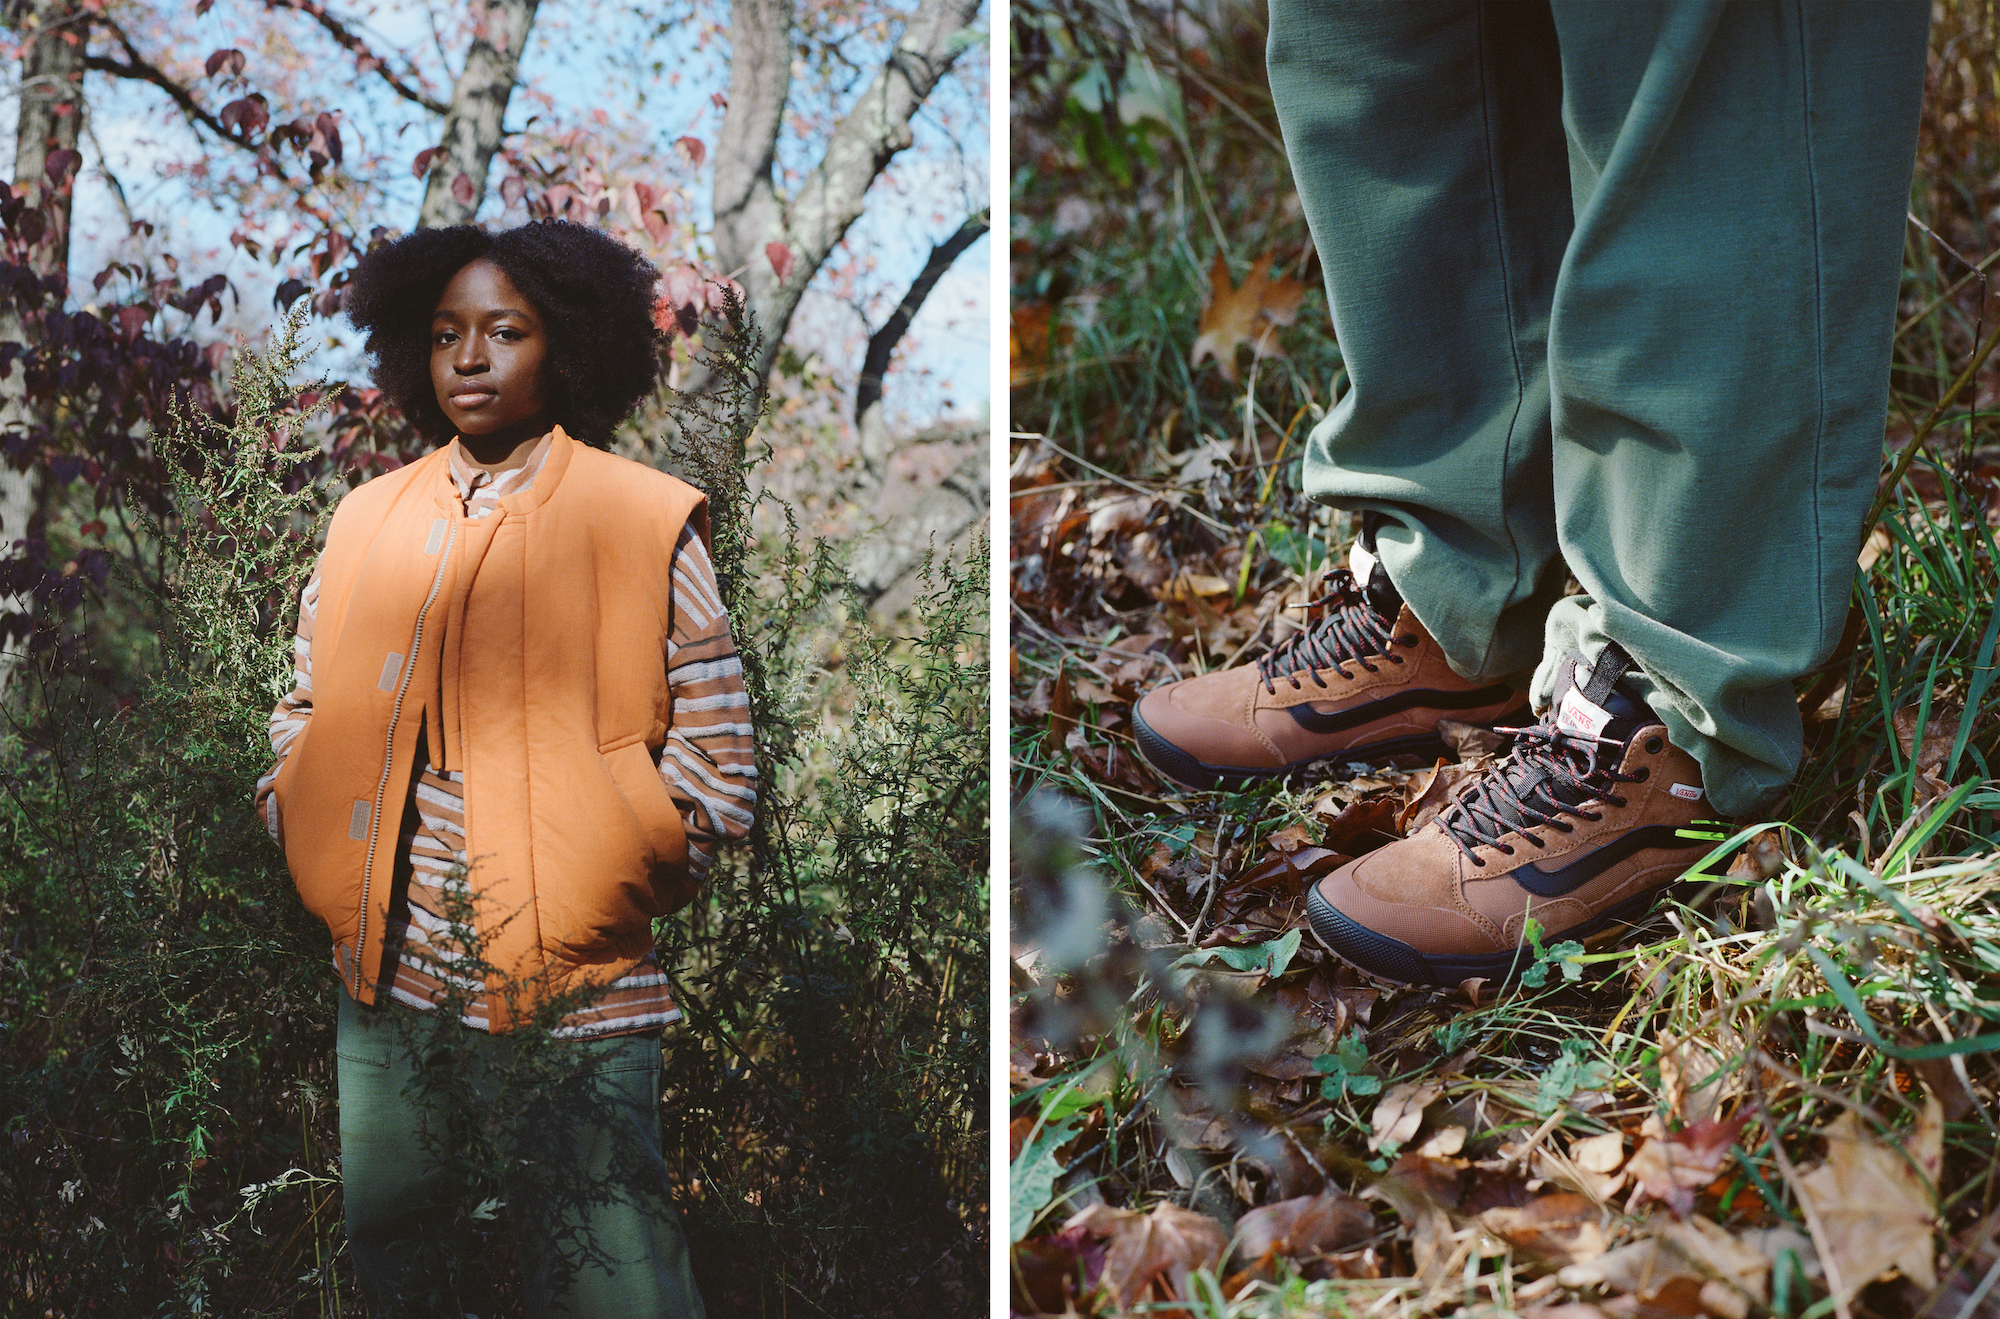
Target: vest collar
561 449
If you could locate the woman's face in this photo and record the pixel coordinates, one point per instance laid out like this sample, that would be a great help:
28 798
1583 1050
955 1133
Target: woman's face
488 348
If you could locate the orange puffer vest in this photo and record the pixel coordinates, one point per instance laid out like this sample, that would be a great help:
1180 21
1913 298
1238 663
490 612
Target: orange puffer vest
532 643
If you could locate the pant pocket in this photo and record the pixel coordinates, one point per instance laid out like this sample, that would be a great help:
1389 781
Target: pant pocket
362 1034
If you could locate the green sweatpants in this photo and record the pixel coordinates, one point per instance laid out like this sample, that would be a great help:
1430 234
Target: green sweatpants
1615 285
584 1186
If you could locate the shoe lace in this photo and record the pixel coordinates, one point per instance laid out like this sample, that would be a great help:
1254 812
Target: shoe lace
1550 773
1351 629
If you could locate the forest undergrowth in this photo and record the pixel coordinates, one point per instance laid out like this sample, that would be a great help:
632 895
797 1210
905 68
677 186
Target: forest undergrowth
166 1059
1780 1096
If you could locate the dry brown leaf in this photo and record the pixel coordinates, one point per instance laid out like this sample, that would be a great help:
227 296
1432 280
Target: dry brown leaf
1363 827
1190 585
1029 339
1871 1209
1249 313
1291 838
1561 1228
1151 1254
1473 744
1762 857
1429 793
1443 1143
1400 1113
1691 1074
1120 515
1303 1228
1930 751
1422 1192
1050 1273
1672 1168
1692 1267
1599 1153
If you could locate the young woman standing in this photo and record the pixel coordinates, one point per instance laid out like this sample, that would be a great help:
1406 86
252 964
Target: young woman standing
518 734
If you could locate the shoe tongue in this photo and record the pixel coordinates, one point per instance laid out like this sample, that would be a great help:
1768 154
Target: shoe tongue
1372 577
1618 714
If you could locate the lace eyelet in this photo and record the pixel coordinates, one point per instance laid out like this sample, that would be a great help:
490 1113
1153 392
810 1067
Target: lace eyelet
1505 850
1653 745
1397 659
1592 818
1645 772
1408 641
1616 801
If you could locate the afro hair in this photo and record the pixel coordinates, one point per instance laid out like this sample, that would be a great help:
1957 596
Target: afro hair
593 293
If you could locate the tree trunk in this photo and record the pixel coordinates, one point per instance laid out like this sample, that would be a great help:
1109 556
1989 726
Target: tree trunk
54 34
478 103
749 215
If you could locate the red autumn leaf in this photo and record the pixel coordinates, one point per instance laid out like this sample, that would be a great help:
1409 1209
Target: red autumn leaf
61 163
422 164
245 115
692 148
683 285
512 189
228 58
780 257
461 188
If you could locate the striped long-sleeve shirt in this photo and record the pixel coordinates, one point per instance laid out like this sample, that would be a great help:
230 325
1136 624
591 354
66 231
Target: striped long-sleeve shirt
708 765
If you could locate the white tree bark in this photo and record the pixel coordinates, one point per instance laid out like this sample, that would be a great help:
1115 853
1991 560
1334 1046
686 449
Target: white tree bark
54 34
749 213
478 103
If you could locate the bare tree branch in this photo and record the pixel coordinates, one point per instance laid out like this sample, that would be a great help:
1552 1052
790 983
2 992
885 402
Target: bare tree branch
883 342
140 69
748 212
472 129
366 59
935 519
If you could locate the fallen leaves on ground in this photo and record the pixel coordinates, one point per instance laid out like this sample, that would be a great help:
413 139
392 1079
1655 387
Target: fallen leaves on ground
1670 1168
1249 313
1149 1255
1873 1204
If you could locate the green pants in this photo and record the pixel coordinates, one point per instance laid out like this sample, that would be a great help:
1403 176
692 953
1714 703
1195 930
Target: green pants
1615 285
584 1188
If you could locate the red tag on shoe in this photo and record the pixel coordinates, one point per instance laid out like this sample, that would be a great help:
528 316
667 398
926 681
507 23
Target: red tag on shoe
1578 714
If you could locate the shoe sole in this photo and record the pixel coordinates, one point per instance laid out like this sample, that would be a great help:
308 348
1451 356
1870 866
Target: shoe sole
1393 960
1185 769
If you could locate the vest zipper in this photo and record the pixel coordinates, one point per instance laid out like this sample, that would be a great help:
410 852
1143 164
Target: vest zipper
388 755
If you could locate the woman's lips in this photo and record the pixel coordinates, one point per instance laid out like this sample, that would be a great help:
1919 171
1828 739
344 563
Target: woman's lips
472 399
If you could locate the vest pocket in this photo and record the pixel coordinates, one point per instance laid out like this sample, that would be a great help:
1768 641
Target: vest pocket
638 781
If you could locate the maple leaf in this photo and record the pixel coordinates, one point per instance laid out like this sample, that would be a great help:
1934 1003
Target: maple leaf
1151 1255
1250 313
1871 1210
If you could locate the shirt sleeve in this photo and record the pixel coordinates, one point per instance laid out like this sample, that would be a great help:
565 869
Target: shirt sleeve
709 761
288 720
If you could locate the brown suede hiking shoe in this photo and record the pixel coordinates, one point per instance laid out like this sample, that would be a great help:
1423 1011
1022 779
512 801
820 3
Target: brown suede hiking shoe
1589 817
1365 683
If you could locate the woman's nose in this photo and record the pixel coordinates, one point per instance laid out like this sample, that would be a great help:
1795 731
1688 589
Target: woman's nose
470 357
